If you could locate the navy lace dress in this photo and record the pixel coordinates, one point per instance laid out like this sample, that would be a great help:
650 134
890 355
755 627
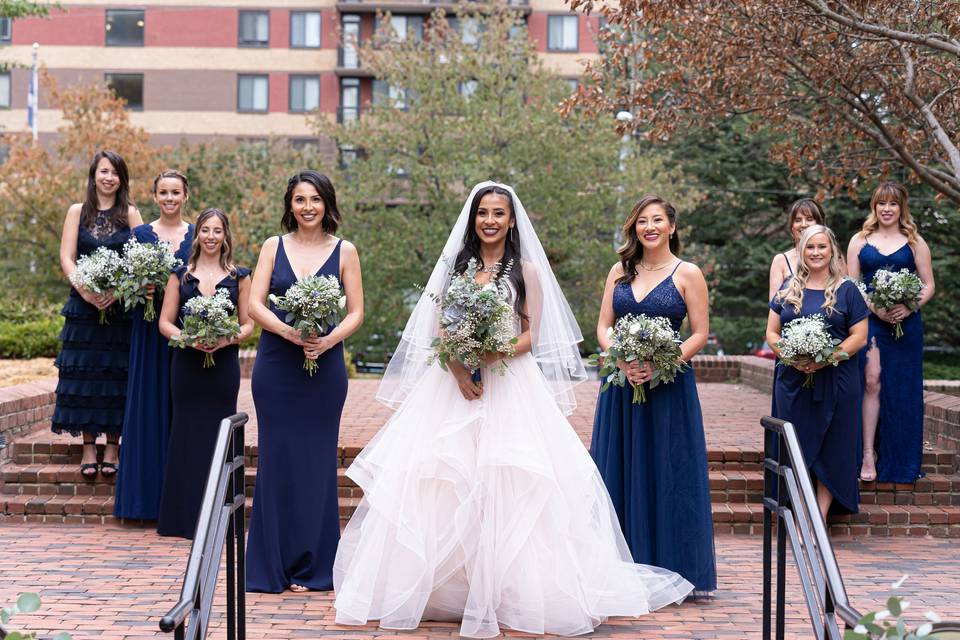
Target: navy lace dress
653 458
899 440
827 417
201 398
92 386
146 420
295 524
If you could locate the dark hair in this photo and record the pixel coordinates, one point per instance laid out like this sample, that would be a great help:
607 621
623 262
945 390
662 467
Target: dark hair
808 206
121 202
511 249
320 182
171 173
226 249
631 253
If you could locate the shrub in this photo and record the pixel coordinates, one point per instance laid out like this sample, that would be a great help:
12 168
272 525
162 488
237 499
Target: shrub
30 339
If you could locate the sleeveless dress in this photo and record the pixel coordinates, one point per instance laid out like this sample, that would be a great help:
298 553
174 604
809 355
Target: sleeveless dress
201 398
653 458
827 417
93 358
295 525
899 440
490 512
146 419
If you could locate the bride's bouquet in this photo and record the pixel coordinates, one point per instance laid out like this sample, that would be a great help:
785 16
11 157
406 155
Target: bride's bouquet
206 319
312 305
98 272
144 264
645 339
891 288
474 319
807 339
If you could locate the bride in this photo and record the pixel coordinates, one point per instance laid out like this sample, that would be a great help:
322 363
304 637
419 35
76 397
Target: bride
480 502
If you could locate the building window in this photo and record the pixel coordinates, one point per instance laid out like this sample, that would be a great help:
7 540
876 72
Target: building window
305 144
468 28
252 93
5 90
349 109
254 29
404 27
350 30
128 86
6 30
562 33
572 84
388 95
304 93
124 27
305 29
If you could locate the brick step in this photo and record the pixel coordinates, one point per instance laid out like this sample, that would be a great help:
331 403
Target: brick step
939 521
746 486
743 518
44 448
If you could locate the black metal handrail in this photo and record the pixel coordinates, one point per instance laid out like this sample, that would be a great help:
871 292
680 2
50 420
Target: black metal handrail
221 522
788 493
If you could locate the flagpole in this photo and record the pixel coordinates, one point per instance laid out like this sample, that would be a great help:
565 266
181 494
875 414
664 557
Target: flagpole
33 102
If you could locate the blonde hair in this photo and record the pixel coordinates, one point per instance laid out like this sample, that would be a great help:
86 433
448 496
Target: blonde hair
898 193
793 293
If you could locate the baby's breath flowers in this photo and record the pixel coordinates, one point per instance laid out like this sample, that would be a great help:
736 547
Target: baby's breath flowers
207 319
98 272
807 339
144 264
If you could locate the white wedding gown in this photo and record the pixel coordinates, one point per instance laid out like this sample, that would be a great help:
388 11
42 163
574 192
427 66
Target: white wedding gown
491 512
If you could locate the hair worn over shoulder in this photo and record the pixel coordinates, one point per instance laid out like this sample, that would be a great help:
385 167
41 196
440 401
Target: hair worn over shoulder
320 182
631 252
792 294
121 203
896 192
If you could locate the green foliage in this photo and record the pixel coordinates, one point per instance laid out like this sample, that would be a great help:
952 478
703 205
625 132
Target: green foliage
889 624
941 366
30 339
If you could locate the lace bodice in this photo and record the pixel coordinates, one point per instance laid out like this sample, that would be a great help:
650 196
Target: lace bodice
102 233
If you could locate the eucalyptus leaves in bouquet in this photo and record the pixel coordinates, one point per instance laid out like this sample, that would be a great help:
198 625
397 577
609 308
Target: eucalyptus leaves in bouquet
26 603
889 288
474 319
144 264
889 623
807 339
313 305
640 338
98 272
207 319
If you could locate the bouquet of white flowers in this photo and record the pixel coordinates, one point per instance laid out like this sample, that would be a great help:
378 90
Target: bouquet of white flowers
474 319
206 319
891 288
645 339
312 305
807 339
144 264
98 272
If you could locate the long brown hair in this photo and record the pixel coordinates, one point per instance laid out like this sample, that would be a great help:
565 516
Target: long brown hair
898 193
793 293
121 202
631 253
226 249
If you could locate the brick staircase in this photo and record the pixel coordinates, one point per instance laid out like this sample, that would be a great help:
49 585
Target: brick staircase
42 483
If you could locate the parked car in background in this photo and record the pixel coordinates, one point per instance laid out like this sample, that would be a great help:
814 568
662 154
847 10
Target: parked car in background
713 347
765 351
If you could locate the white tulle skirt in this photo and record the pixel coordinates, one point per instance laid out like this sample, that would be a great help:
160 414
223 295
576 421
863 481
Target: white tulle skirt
491 512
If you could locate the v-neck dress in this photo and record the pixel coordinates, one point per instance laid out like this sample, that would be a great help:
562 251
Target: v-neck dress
295 524
653 458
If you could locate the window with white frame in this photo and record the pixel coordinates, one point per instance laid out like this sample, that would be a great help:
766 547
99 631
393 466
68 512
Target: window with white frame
304 93
305 29
5 90
254 29
253 93
350 32
349 109
562 33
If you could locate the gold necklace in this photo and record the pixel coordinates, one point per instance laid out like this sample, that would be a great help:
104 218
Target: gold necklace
656 268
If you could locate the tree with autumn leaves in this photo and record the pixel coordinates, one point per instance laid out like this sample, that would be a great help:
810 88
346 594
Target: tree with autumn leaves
863 86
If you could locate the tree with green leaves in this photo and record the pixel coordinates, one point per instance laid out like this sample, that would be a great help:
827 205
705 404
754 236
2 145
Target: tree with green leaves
453 111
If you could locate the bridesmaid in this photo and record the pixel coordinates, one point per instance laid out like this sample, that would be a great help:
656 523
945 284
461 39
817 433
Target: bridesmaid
827 417
803 213
146 420
295 525
893 388
201 397
92 385
653 456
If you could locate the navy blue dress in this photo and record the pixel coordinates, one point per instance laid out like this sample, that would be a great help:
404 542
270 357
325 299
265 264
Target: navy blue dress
827 417
653 458
92 386
295 525
146 420
899 440
201 398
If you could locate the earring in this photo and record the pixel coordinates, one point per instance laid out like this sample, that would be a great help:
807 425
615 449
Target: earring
511 234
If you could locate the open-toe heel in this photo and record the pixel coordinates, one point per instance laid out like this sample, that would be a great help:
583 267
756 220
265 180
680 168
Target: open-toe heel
869 476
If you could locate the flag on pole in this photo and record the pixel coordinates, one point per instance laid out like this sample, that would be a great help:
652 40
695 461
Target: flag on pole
33 96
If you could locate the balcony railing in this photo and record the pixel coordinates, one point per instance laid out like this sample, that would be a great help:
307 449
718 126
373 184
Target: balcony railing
347 57
347 114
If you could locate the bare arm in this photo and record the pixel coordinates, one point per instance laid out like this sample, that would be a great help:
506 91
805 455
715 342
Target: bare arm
607 317
352 281
777 274
68 242
167 322
134 219
697 298
773 331
243 312
925 270
853 256
260 287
